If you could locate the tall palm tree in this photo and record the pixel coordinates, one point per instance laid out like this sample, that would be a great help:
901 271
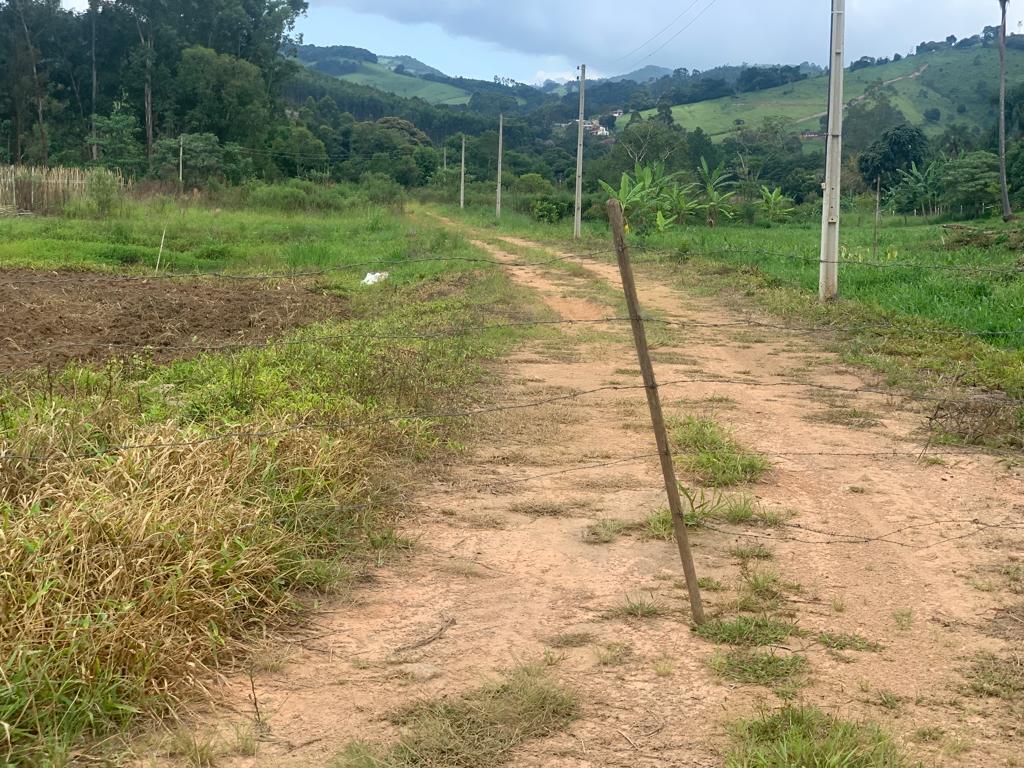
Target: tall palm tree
1003 184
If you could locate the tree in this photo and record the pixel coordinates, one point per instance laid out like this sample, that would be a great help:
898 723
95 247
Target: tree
1004 186
870 117
972 181
222 95
897 150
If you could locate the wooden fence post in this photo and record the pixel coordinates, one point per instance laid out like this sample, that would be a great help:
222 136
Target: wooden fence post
657 416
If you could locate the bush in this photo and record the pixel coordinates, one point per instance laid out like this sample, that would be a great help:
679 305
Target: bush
550 210
378 189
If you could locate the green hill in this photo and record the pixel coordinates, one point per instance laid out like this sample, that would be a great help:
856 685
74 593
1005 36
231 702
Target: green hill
384 79
400 75
961 83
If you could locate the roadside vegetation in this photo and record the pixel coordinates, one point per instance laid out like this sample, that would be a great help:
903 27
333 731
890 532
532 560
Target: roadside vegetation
159 519
475 730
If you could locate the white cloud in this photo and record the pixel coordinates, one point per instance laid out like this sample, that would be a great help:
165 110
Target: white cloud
711 32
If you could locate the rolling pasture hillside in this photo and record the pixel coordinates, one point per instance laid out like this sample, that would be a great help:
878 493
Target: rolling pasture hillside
961 84
400 75
382 78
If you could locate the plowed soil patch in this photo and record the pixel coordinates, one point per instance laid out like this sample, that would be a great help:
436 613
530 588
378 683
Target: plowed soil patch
51 318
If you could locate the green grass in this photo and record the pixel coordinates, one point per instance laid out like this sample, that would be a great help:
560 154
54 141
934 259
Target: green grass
998 677
847 642
636 608
570 640
915 326
478 729
806 736
606 531
758 667
384 79
747 631
130 575
711 455
752 552
951 79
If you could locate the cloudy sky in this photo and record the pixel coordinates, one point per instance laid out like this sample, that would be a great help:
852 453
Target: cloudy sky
531 40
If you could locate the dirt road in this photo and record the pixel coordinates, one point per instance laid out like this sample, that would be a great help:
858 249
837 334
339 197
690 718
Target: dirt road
501 564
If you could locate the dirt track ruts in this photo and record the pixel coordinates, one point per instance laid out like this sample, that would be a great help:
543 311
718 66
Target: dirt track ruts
510 580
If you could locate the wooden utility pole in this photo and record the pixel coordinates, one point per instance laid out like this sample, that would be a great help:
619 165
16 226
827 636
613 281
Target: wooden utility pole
578 219
501 152
445 156
1004 186
828 286
657 416
462 176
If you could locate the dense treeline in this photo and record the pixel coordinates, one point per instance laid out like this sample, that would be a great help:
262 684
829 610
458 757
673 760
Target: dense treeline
211 89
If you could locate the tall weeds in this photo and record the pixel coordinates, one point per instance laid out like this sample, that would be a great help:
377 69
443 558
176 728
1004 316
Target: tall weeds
129 576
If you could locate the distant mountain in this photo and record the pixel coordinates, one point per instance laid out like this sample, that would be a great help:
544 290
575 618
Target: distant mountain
641 76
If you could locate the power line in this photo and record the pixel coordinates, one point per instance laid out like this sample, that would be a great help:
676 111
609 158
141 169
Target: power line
664 29
693 21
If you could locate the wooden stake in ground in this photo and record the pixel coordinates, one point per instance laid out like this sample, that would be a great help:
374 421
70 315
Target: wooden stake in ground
657 417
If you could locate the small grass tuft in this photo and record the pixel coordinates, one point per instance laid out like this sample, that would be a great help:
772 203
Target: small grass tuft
477 729
613 654
709 584
754 552
929 734
636 608
570 640
806 736
713 456
747 631
758 667
904 619
605 531
997 677
847 642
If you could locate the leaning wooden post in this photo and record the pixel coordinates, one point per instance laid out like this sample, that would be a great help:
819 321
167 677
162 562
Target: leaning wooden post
657 417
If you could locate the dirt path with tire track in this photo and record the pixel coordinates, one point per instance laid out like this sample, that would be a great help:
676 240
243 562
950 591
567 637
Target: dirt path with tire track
501 563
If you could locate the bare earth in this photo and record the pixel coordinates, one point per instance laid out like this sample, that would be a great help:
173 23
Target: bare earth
511 579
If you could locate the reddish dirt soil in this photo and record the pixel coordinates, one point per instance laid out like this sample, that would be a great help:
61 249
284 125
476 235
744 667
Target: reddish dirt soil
51 318
500 549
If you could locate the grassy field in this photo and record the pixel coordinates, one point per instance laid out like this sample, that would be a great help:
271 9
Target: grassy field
161 519
945 80
932 307
380 77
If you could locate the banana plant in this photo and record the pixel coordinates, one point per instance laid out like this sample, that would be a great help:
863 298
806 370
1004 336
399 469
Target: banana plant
664 223
718 194
639 194
681 202
775 205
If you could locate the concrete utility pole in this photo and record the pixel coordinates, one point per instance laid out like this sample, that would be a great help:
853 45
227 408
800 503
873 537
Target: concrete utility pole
828 288
462 178
501 152
181 165
578 220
